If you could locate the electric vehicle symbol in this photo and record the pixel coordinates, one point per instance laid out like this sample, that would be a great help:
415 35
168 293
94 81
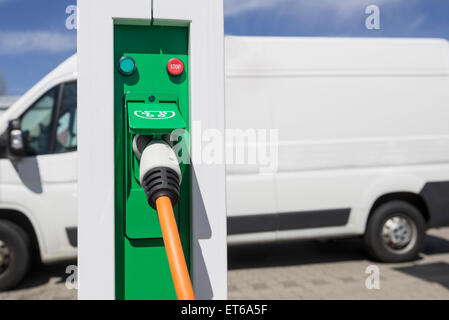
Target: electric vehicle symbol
155 115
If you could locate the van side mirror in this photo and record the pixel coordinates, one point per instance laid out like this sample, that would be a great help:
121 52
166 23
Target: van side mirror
3 144
15 145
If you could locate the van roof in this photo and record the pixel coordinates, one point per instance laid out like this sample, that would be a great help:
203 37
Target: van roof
290 55
287 56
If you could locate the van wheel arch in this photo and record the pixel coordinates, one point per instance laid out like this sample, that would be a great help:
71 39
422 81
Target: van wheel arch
412 198
24 222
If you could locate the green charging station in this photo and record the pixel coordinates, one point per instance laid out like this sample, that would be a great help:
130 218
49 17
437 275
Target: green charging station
149 99
151 208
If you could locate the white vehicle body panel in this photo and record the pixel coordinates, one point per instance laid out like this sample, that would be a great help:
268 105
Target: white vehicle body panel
357 119
43 187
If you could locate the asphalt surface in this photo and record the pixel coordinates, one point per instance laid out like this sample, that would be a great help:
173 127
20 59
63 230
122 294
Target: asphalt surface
334 269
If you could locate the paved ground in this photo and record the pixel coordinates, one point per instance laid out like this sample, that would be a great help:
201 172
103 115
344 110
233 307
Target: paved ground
298 270
336 270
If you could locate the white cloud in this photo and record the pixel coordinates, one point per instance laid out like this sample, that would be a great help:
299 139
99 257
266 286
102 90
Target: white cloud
342 8
19 42
415 24
234 7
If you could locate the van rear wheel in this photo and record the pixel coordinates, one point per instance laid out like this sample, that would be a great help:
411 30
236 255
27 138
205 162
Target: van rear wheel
15 254
395 232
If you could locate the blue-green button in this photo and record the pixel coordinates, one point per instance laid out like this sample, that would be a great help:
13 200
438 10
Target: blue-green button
127 65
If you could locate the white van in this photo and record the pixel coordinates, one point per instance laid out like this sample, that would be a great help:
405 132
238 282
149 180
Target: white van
363 140
38 175
363 147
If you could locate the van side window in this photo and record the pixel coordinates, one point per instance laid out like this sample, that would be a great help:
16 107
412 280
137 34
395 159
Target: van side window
66 125
37 124
50 124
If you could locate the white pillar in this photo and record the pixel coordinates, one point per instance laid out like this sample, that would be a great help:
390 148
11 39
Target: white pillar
96 238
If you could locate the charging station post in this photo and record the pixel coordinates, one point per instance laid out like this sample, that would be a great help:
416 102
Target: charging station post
147 68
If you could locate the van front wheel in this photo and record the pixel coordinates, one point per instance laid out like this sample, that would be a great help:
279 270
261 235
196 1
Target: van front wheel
395 232
15 254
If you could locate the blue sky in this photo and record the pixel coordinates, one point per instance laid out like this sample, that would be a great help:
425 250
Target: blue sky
34 38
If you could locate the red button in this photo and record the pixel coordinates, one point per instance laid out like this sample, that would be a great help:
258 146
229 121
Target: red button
175 67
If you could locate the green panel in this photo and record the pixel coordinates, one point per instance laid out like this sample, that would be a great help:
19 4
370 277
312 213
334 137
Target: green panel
153 285
141 222
142 270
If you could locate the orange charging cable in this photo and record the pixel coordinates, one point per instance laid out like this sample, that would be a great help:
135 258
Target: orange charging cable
175 254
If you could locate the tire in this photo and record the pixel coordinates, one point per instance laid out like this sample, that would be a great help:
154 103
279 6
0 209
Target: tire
17 254
386 241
